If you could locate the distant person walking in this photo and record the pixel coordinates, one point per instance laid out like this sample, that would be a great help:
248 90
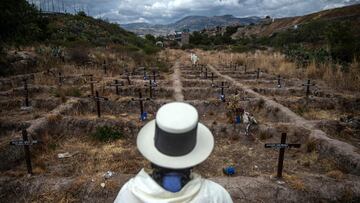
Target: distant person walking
174 143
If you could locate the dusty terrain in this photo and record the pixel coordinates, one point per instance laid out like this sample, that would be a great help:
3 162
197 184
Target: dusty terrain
326 123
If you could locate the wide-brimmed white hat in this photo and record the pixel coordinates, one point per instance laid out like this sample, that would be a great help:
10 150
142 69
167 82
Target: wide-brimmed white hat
175 139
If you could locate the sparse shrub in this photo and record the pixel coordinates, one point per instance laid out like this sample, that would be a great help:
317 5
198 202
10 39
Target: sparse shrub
106 134
73 92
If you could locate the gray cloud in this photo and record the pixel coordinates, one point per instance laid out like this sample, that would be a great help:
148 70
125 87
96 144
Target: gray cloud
167 11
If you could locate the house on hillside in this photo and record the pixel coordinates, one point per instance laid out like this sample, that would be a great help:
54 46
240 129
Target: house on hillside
181 37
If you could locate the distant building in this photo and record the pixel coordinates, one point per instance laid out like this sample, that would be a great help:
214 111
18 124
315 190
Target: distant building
181 37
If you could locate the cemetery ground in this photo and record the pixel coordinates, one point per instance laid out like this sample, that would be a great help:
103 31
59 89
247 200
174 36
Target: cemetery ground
86 119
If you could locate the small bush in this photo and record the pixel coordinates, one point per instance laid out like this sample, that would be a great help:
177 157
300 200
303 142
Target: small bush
107 133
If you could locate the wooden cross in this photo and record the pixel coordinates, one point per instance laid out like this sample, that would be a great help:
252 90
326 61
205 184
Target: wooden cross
145 75
117 85
143 115
105 67
206 73
152 86
97 98
26 93
212 78
128 78
26 143
308 84
245 69
154 76
222 95
279 81
282 146
91 82
258 73
62 78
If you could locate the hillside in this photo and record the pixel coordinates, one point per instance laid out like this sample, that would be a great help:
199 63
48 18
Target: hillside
193 23
267 29
62 34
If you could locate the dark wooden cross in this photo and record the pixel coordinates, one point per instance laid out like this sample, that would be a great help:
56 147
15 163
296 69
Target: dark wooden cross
235 66
212 78
206 73
60 79
117 85
222 94
154 76
258 73
26 143
152 86
97 98
282 146
26 92
145 75
91 82
308 84
143 115
279 81
128 78
105 67
244 68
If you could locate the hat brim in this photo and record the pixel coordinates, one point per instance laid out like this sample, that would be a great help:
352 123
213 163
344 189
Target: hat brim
203 148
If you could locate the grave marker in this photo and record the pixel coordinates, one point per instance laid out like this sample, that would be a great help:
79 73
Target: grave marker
222 95
97 98
258 73
279 81
26 143
105 67
282 146
151 88
212 78
117 85
244 69
154 76
308 84
143 114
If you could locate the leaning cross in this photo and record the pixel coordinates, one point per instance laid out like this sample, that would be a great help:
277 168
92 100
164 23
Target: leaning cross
26 143
97 98
143 115
308 84
282 146
116 85
222 95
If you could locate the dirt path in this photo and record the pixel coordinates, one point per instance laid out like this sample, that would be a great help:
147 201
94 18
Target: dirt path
177 85
345 154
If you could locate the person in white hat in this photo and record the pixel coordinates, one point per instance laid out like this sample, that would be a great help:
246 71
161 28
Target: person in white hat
174 143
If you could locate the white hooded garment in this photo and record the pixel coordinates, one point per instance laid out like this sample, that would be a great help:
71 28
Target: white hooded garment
143 189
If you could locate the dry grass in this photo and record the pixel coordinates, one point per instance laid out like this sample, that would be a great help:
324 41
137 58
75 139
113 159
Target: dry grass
294 182
277 64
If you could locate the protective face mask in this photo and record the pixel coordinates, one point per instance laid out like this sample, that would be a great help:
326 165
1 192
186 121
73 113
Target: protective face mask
172 182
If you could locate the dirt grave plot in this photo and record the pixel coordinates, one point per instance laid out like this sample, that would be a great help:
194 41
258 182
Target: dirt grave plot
79 147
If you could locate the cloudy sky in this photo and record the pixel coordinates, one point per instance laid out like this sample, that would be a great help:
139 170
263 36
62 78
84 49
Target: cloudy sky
168 11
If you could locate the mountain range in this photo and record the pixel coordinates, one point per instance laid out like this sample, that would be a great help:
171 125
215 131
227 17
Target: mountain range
193 23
